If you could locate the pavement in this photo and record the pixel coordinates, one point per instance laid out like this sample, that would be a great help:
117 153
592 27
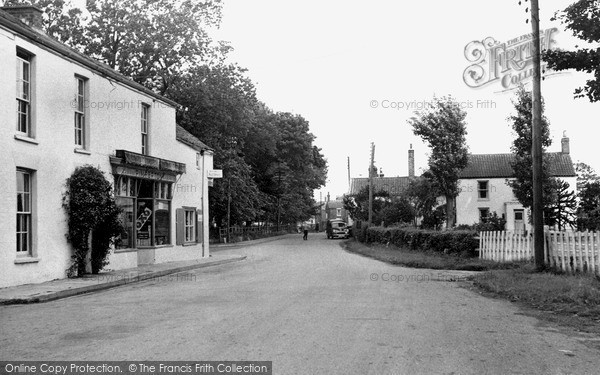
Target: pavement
63 288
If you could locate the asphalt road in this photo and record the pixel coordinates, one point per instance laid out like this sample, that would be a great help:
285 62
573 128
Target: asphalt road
308 306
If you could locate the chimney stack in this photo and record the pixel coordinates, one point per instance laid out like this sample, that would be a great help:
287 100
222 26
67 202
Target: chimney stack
30 15
411 162
565 143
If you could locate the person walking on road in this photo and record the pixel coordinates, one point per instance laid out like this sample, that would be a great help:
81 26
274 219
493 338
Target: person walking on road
305 233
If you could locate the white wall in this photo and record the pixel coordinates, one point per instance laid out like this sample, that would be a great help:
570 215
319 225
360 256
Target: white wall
501 200
468 201
113 116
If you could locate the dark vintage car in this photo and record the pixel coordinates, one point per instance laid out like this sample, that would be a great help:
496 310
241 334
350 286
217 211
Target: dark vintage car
337 228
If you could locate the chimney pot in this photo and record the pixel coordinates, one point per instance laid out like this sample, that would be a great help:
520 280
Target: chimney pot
411 162
30 15
565 143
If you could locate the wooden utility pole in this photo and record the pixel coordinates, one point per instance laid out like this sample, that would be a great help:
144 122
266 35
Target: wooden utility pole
349 187
536 147
371 165
228 209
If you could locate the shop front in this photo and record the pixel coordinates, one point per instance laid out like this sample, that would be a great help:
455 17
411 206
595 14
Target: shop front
144 192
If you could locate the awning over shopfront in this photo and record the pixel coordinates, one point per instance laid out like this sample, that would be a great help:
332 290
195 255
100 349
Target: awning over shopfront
131 164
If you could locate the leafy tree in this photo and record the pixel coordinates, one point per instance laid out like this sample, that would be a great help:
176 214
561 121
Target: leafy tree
443 127
585 175
423 195
306 166
588 211
521 121
583 19
62 20
288 167
398 211
151 41
271 165
217 106
562 207
357 205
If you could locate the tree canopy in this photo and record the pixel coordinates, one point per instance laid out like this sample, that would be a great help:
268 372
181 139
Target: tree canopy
150 41
386 209
442 125
521 121
583 19
271 164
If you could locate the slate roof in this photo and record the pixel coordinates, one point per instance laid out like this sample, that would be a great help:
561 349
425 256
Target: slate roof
39 38
393 185
335 204
499 166
189 139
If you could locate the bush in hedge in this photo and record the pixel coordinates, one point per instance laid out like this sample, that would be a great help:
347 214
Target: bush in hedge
448 242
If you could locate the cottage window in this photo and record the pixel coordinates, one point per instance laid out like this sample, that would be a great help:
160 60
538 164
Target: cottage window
190 225
24 93
483 190
24 212
339 212
79 105
145 126
484 213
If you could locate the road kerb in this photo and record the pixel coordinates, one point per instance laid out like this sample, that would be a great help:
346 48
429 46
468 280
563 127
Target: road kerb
112 284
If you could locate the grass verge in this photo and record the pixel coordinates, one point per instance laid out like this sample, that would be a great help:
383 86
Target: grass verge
570 300
567 300
423 259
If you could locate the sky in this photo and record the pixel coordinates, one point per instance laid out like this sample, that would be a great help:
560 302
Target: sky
358 70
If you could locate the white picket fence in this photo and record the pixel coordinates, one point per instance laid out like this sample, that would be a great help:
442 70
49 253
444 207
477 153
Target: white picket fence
570 251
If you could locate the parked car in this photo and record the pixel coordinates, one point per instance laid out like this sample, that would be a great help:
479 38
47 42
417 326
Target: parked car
337 228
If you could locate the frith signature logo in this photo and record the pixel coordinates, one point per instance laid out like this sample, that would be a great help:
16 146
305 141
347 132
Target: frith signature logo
509 63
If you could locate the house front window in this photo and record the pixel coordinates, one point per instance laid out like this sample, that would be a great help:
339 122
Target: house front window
23 93
24 212
483 192
190 225
484 213
79 105
145 120
338 212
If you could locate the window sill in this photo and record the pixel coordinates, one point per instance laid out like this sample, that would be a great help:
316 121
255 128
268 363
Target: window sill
133 250
26 260
24 138
81 151
153 247
189 244
129 250
483 199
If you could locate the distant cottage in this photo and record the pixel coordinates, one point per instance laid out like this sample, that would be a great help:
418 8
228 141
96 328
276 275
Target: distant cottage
483 186
484 189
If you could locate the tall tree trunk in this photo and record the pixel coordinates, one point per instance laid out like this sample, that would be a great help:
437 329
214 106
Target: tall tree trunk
450 211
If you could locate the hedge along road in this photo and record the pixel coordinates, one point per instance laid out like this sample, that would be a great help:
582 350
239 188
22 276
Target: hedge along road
308 306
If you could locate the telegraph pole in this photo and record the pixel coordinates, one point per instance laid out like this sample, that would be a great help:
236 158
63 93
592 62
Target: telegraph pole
536 147
371 165
349 187
228 209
